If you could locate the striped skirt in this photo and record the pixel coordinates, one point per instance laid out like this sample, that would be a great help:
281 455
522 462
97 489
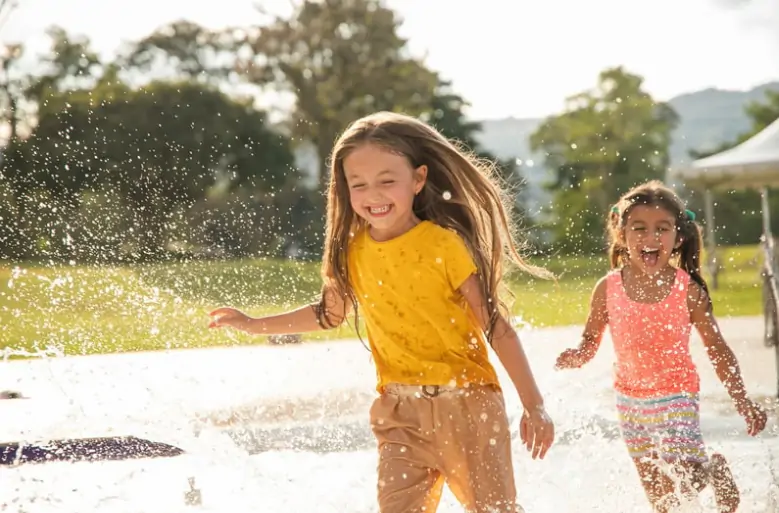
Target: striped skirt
662 427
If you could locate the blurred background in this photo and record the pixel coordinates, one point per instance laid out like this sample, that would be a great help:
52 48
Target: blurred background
163 157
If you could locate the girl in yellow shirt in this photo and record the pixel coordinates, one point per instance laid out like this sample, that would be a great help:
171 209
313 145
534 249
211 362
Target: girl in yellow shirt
417 236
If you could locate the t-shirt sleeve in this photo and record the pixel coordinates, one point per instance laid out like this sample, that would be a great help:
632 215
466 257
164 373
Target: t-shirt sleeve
457 260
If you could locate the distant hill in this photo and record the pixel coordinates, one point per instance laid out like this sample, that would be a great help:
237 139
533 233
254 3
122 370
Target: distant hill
711 117
708 118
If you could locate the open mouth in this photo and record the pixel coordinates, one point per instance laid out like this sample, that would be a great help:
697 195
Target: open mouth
379 211
650 256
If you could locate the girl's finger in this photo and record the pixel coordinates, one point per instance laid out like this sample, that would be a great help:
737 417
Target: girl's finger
539 442
542 448
523 430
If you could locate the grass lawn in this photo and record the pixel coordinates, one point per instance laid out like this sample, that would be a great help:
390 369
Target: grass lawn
86 310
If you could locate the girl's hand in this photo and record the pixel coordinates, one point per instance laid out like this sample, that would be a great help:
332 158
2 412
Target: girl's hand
570 359
753 414
227 317
536 430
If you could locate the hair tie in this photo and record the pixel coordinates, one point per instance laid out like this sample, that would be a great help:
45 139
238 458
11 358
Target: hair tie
690 215
615 209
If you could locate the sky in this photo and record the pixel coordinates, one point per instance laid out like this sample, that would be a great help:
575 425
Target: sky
507 58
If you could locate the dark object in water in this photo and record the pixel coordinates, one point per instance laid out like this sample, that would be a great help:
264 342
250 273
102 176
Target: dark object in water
85 449
193 497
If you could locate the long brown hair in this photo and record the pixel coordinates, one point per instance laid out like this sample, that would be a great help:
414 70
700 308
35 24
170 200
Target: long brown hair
476 207
655 193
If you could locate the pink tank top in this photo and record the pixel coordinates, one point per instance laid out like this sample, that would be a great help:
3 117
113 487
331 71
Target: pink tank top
651 341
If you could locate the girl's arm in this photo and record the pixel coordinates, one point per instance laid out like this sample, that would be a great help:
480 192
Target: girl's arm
725 362
507 346
592 336
300 320
597 321
721 356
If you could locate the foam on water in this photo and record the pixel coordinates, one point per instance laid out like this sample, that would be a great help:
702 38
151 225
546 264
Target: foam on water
285 429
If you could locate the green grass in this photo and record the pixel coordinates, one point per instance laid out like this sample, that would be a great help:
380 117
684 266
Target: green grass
87 310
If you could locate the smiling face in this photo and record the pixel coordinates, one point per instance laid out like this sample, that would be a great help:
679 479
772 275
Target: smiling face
650 235
382 186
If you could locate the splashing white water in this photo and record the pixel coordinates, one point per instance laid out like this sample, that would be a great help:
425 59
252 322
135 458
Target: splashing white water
285 429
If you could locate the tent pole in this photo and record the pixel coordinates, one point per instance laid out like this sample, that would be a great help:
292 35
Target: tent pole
766 213
711 243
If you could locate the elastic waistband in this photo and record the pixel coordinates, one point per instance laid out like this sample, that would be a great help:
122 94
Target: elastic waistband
670 397
422 390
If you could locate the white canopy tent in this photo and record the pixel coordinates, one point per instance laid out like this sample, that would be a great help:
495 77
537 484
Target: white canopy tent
753 164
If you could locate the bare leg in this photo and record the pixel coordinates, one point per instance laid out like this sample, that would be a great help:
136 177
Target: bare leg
658 486
725 489
696 476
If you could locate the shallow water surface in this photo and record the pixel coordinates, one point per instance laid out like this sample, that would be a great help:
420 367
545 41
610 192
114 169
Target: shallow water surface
271 429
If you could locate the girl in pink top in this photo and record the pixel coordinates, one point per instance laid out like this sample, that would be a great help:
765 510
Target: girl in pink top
650 301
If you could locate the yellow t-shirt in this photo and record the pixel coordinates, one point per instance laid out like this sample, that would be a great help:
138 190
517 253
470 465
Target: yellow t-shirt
420 328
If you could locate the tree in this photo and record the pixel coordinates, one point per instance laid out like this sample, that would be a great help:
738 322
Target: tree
70 64
185 50
9 54
762 113
162 147
447 114
606 141
341 59
11 89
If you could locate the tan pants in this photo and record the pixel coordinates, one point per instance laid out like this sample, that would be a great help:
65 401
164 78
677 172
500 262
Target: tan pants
427 436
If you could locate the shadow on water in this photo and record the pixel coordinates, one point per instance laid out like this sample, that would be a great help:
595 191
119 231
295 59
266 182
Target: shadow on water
352 433
355 435
327 423
85 449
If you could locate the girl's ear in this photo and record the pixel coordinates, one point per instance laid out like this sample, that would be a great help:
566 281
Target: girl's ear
420 177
